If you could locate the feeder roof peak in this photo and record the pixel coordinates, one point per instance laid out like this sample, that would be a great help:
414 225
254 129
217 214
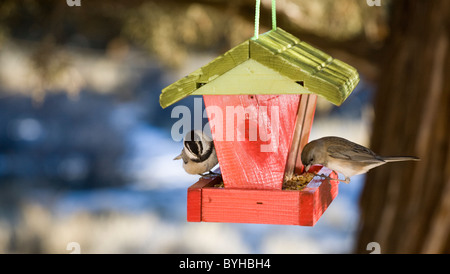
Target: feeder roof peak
275 63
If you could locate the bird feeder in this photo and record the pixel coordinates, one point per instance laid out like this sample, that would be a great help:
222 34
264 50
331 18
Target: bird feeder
260 98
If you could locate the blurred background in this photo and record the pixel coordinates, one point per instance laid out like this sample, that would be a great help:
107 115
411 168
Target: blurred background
86 152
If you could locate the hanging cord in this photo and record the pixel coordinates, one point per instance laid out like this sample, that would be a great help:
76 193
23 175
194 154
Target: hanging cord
257 14
274 14
257 9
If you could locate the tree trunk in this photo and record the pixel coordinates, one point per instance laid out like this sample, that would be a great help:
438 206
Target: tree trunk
405 207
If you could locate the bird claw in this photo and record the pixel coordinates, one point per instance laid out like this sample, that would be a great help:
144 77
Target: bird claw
209 174
347 180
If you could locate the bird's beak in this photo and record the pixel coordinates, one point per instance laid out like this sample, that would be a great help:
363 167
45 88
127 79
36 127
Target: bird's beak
178 157
307 168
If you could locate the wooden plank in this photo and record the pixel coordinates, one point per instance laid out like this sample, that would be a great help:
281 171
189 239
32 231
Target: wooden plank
250 206
279 51
187 85
251 77
194 197
179 90
317 196
308 119
284 207
225 62
328 77
304 120
247 158
272 59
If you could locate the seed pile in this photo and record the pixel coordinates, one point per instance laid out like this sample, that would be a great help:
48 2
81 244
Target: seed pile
297 182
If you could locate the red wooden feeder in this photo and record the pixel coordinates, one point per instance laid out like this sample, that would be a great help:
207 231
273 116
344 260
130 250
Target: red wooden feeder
260 98
285 207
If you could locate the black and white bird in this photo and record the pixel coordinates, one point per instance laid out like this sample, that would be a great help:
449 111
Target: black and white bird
198 153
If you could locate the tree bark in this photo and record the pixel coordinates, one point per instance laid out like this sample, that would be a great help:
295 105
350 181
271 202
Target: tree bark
405 207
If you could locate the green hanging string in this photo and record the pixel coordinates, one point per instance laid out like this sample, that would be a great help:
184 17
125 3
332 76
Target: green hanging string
274 14
257 13
258 6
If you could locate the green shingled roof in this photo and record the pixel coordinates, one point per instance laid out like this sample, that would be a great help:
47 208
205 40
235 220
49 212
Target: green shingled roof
275 63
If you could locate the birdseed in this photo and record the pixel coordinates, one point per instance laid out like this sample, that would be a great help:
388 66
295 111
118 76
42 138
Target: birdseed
297 182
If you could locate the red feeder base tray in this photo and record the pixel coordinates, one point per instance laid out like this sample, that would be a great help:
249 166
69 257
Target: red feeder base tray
206 203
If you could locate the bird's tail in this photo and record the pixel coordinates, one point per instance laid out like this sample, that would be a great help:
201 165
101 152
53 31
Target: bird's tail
400 159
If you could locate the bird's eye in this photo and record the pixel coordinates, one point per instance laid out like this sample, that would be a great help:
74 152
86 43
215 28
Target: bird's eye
311 160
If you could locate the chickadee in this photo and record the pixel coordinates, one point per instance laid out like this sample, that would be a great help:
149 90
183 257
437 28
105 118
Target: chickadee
344 156
198 153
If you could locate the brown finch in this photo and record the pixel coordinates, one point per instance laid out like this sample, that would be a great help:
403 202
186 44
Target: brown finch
345 157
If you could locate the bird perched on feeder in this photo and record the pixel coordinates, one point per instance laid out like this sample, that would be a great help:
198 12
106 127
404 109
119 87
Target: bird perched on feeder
198 153
344 156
